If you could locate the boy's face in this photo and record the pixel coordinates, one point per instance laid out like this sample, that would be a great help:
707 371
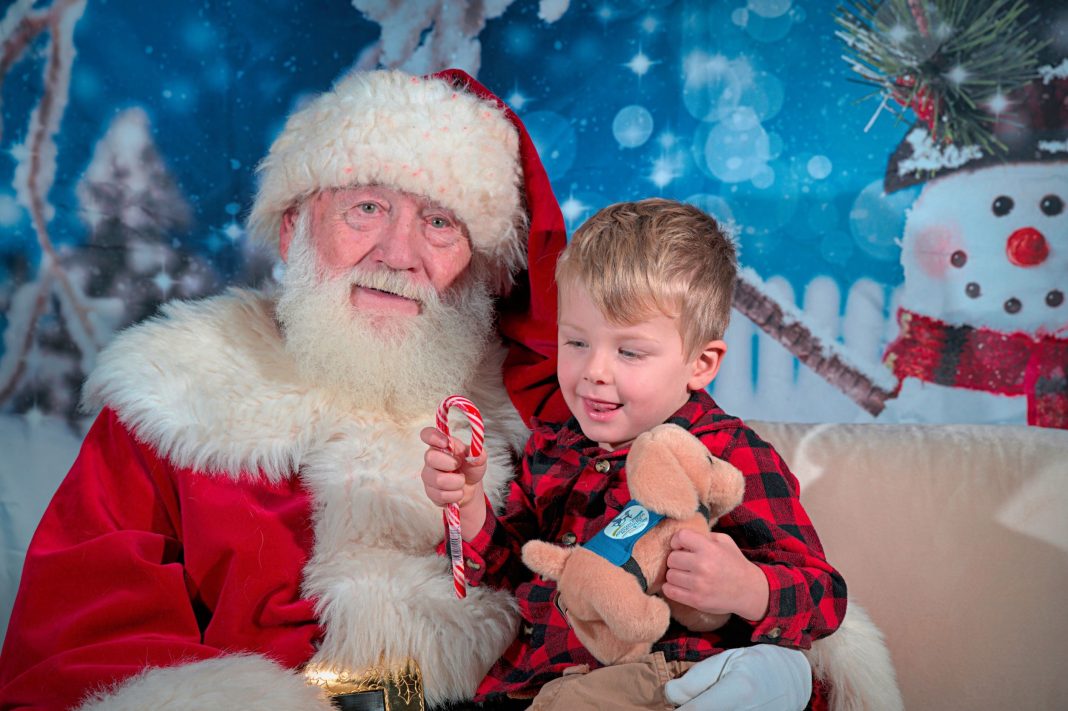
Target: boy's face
620 381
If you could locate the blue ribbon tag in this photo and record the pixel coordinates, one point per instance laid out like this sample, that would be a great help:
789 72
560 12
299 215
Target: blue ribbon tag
616 540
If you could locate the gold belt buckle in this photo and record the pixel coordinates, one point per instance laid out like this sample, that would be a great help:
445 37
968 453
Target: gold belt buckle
401 685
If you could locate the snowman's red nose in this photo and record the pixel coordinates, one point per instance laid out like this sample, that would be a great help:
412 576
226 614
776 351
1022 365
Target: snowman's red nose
1027 247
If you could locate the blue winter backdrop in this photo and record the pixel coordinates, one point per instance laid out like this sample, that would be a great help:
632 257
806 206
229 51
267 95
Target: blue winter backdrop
131 132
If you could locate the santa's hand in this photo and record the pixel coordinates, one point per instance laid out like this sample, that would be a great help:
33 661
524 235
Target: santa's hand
449 475
764 677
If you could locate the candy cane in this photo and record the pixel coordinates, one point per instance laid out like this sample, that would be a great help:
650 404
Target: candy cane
452 511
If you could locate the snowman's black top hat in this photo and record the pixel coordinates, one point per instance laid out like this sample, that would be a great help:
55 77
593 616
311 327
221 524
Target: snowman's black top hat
1033 127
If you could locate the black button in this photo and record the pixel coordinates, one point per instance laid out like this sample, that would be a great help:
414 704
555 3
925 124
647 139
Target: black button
569 538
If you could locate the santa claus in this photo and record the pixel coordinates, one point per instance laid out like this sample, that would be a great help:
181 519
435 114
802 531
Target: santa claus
248 500
245 526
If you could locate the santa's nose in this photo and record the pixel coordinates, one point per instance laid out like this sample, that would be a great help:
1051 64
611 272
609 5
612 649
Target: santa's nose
1027 247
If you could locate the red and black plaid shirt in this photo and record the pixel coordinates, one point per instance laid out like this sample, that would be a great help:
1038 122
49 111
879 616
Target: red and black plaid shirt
566 493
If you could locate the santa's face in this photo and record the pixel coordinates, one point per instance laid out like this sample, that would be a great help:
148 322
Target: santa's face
989 249
395 351
384 231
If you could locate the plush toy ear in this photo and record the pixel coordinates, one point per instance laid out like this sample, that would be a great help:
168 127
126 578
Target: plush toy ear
660 469
545 559
726 487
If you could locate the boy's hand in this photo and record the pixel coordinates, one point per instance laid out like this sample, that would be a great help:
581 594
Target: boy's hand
449 477
708 572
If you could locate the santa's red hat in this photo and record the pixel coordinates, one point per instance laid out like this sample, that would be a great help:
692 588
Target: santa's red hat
449 138
416 134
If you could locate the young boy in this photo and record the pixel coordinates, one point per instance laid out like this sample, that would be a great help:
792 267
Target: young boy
645 296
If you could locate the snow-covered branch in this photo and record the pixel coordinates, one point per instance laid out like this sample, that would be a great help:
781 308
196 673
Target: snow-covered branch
27 305
426 37
869 388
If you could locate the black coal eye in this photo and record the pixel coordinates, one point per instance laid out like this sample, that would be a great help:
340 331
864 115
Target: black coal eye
1055 298
958 258
1052 205
1002 206
972 290
1013 305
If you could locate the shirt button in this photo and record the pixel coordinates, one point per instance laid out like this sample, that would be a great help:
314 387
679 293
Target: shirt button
473 565
569 539
602 466
528 630
774 633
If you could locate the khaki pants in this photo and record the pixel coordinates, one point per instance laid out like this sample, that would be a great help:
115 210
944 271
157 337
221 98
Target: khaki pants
636 686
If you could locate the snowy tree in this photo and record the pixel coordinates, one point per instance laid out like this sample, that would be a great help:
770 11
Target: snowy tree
131 204
58 313
128 266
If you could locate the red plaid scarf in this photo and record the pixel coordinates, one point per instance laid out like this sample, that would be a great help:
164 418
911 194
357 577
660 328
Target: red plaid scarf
984 359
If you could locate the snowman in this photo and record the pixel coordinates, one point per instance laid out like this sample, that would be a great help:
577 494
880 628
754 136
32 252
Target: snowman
983 309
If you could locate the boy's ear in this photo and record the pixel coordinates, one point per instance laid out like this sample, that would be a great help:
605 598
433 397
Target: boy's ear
706 364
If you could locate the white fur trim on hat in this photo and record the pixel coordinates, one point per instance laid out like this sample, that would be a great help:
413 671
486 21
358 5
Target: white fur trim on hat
416 134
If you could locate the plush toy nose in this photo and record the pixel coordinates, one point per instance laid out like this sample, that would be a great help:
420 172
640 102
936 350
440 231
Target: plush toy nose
1027 247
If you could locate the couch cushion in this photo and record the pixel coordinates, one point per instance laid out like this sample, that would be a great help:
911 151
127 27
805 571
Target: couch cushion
955 539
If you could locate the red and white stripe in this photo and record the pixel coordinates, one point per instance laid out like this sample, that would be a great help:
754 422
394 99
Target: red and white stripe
452 511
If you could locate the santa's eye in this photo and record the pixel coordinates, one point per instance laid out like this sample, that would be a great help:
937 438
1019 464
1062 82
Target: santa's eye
1002 206
958 258
1051 205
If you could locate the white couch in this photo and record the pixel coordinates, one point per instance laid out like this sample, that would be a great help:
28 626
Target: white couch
955 540
953 537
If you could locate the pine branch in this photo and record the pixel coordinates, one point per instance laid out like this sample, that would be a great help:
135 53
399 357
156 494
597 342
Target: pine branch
945 60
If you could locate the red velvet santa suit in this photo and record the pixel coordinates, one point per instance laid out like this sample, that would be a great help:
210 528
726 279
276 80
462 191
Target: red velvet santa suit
222 509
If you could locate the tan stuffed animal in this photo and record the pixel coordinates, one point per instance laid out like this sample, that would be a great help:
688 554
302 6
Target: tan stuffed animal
615 609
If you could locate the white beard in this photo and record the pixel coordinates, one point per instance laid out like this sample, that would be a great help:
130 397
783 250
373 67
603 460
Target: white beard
407 364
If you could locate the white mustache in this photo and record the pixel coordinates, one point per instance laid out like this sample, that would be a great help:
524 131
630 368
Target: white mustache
393 282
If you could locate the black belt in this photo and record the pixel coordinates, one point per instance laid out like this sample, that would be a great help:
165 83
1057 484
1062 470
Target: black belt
360 701
385 699
376 701
385 688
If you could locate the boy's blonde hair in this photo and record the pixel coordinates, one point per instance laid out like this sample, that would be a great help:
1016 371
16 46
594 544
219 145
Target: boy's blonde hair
639 258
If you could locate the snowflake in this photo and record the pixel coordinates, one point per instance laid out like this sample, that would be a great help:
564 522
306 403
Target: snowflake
516 100
957 75
639 63
163 282
998 103
233 231
665 170
573 209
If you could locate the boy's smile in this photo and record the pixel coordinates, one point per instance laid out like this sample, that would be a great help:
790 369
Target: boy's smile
621 380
